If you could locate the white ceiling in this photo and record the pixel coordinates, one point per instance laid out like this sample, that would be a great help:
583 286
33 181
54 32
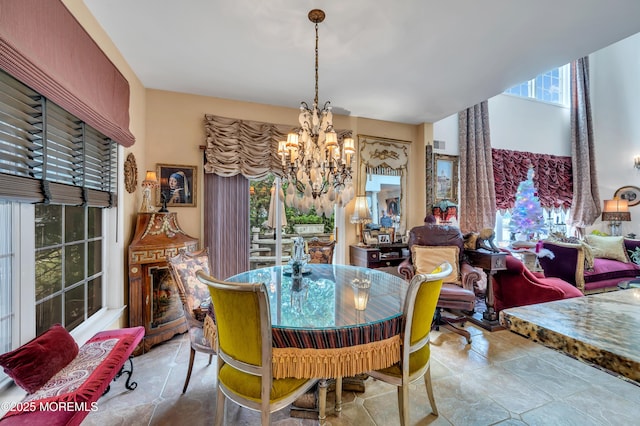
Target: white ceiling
399 60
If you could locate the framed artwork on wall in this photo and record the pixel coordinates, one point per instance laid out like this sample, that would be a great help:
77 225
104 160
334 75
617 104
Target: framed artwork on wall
629 193
177 185
441 178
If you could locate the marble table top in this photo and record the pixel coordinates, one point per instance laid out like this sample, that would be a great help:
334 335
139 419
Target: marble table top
603 329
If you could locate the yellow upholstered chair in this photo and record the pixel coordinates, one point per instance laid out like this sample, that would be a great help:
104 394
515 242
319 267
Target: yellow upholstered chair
419 308
195 300
243 322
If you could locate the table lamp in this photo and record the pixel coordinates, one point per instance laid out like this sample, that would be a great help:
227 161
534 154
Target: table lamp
361 215
150 181
616 211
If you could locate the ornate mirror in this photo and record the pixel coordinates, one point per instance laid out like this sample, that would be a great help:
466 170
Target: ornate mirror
383 179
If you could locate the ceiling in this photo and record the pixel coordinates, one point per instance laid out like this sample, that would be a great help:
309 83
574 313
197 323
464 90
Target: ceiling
404 61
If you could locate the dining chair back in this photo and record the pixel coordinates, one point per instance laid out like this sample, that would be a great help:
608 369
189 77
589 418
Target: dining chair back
320 251
419 308
195 299
244 338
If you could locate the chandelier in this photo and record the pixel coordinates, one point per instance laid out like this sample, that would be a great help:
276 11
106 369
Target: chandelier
317 168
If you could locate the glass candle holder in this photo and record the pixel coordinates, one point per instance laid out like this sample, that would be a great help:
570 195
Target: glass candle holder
361 287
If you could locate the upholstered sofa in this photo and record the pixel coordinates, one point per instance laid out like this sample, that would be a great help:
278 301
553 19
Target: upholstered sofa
595 265
518 286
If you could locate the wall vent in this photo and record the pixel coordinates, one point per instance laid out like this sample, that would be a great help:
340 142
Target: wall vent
439 144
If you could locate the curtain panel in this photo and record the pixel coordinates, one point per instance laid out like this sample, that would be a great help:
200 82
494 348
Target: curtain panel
586 196
553 178
236 151
43 46
477 194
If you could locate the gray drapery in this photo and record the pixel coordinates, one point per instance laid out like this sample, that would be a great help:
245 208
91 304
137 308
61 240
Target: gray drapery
236 151
477 192
226 230
585 206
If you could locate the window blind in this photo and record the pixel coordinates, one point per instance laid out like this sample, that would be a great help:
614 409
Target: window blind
48 155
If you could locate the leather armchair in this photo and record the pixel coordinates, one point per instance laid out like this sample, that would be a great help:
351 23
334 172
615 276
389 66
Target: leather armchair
453 296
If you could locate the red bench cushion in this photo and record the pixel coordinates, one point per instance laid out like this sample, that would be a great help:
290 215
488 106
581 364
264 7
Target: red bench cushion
35 362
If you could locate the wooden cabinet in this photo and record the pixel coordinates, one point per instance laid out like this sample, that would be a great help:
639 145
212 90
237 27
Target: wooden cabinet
379 256
154 301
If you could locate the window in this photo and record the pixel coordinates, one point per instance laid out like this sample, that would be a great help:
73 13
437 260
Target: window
552 87
57 175
554 220
7 257
68 265
266 236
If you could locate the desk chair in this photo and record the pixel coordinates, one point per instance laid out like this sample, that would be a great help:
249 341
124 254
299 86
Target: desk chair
245 375
418 311
195 300
430 245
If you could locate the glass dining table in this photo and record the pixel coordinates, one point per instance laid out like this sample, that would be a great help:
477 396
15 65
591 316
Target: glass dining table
317 330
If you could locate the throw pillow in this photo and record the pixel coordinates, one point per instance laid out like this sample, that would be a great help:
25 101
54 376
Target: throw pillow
34 363
428 258
633 250
607 247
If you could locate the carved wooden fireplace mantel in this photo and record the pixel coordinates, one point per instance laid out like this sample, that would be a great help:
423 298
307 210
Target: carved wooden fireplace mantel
154 301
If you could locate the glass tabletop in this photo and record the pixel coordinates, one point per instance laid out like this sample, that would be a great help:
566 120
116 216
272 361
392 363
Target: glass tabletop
325 297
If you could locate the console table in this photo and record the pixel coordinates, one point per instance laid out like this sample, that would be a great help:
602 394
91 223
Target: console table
379 256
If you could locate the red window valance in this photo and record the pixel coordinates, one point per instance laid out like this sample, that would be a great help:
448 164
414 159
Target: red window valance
44 46
553 178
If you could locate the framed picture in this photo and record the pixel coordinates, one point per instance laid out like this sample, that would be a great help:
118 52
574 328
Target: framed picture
629 193
441 178
384 239
177 185
367 235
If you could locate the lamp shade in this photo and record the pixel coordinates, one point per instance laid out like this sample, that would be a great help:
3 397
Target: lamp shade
616 210
361 212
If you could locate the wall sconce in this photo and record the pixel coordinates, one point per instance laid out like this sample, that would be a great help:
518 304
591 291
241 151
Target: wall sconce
636 163
615 211
361 287
150 181
361 215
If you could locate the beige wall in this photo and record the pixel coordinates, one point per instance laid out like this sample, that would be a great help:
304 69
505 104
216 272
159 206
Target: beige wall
175 131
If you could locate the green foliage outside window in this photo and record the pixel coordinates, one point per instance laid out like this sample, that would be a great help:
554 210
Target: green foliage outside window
260 197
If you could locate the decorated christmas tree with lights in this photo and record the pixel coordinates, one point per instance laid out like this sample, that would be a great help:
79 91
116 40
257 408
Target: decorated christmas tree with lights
527 217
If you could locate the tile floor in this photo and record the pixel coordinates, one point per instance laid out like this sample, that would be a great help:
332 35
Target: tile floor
500 378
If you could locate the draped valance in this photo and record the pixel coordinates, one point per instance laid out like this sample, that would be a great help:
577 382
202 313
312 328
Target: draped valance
245 147
43 46
553 178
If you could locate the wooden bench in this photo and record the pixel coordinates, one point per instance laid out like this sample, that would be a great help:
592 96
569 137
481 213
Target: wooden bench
72 392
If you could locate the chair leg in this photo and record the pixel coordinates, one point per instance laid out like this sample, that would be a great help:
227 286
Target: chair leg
219 407
210 358
440 320
403 403
192 355
427 383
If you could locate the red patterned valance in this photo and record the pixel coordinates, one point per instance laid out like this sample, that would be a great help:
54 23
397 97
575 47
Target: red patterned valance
553 178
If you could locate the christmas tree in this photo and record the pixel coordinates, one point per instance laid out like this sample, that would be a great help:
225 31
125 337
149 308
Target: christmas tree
527 217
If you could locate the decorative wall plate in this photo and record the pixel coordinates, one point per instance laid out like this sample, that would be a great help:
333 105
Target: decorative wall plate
130 173
629 193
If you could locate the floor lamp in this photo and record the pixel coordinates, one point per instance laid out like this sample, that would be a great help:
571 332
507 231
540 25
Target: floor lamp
361 215
616 211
